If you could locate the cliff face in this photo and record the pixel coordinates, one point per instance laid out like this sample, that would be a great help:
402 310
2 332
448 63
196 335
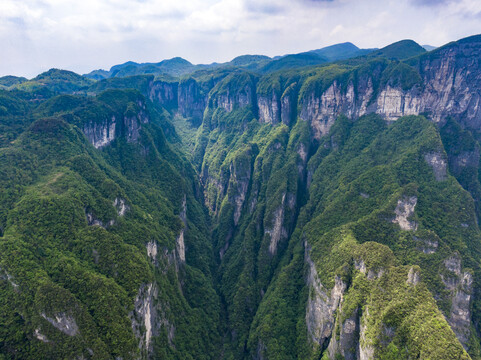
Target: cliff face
100 134
449 86
191 101
164 93
125 123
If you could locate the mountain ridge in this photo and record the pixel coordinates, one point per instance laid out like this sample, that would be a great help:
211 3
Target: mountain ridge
328 211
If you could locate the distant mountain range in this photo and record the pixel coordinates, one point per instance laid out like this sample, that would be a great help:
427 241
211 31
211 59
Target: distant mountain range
175 67
64 81
178 66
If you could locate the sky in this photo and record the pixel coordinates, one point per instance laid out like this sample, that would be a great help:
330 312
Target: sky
83 35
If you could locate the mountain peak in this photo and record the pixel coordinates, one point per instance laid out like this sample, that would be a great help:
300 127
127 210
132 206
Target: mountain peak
340 51
399 50
175 61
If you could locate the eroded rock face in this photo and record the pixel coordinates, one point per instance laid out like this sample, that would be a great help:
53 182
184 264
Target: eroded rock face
100 134
63 322
120 206
180 243
39 336
94 221
289 105
228 101
366 348
404 210
144 314
321 305
426 246
148 317
191 101
392 103
450 87
241 172
460 286
269 108
152 250
413 277
347 343
277 231
438 163
452 84
372 274
165 93
321 111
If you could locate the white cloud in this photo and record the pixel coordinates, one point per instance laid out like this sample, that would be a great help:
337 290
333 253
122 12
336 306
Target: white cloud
88 34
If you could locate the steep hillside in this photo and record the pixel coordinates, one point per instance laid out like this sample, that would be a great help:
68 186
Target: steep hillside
400 50
105 254
57 81
266 209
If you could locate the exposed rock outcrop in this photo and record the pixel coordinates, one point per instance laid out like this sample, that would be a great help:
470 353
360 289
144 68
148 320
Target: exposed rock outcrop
144 315
451 87
289 104
63 322
165 93
180 243
100 134
322 110
103 132
269 108
346 344
426 246
392 103
460 287
321 305
191 100
240 176
438 163
148 318
120 206
276 230
366 348
404 210
39 336
413 277
94 221
228 101
152 251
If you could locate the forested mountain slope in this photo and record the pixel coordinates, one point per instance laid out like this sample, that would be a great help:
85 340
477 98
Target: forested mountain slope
328 211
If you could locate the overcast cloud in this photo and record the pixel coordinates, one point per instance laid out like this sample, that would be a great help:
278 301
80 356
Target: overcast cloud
89 34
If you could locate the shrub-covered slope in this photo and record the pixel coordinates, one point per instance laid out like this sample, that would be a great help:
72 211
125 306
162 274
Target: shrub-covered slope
104 253
327 212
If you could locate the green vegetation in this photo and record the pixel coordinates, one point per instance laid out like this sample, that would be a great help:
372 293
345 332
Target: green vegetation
400 50
56 264
57 81
294 61
191 230
341 51
8 81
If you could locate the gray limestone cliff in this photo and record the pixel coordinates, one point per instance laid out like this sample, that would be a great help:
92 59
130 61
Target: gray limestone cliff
459 284
449 85
191 99
164 93
322 304
101 132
